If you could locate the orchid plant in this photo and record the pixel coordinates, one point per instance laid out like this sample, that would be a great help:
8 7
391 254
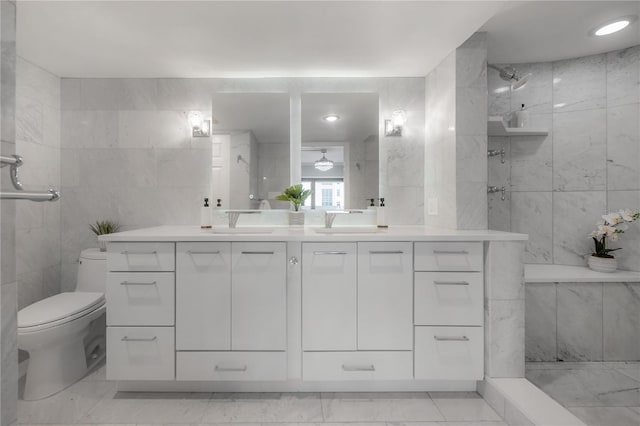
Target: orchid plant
611 226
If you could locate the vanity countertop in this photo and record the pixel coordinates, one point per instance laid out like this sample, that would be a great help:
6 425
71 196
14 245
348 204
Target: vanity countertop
393 233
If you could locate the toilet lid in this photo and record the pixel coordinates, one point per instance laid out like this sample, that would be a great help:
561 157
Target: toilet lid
58 307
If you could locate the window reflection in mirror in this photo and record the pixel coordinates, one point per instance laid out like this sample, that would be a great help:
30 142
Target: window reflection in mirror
340 149
250 149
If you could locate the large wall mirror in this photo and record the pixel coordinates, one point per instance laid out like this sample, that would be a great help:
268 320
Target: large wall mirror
250 149
340 149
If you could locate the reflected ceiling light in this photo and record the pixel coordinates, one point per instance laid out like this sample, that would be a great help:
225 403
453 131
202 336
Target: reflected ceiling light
324 163
331 118
614 26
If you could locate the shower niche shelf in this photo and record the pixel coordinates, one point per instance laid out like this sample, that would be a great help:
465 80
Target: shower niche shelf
496 127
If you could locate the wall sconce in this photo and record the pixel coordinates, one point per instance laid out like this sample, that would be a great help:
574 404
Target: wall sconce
200 128
393 127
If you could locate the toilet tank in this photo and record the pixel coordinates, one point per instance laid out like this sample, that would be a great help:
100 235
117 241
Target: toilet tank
92 270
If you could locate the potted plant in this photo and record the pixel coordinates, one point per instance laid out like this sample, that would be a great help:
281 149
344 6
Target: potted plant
610 227
102 227
296 195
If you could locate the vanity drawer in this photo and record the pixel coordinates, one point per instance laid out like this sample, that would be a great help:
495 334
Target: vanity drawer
448 298
140 353
463 256
449 353
140 298
365 365
141 257
234 366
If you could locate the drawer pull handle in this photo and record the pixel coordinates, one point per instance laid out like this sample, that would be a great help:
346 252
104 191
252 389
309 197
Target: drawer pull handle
257 252
321 253
451 338
450 252
141 339
203 252
133 283
386 252
128 252
223 369
358 367
451 283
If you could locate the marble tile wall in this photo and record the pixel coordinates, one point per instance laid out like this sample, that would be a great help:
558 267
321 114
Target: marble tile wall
127 154
589 164
456 138
8 284
582 321
38 141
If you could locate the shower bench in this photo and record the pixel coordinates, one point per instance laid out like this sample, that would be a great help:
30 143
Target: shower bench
575 314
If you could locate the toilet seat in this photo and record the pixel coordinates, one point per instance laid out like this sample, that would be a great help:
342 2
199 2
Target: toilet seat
59 309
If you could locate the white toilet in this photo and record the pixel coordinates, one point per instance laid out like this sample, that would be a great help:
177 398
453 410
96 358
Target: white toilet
64 334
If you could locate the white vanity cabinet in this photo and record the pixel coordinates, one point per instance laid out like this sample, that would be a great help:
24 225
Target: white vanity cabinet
231 311
448 311
140 297
203 296
329 292
357 311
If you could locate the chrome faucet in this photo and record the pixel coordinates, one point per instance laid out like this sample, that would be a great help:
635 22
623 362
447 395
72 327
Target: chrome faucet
330 216
234 215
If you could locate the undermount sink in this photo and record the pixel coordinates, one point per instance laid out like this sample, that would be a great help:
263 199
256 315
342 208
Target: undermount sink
348 230
243 230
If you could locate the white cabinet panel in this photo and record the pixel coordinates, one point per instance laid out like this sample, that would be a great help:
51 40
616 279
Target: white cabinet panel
449 298
258 297
385 295
203 296
456 256
362 365
329 296
449 353
140 298
235 366
140 353
145 257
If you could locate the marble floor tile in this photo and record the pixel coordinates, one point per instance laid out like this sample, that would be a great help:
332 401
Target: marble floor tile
272 407
456 409
633 372
390 407
148 407
66 407
587 387
607 416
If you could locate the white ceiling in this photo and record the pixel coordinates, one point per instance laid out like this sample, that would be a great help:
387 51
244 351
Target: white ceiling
243 38
539 31
358 117
265 114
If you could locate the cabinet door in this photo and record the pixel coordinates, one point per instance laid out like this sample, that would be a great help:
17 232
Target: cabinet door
203 296
328 296
385 296
258 297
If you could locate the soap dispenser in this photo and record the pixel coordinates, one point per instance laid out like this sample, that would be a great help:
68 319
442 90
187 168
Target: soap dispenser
380 217
522 117
205 215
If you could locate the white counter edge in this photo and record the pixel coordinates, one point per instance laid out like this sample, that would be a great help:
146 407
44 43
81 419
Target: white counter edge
393 233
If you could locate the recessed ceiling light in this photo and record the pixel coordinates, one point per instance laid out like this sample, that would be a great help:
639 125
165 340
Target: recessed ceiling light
331 118
613 26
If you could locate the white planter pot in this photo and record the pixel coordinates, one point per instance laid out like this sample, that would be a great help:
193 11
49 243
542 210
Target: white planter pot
603 264
296 218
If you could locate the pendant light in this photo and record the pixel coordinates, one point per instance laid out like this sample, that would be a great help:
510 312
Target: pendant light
324 163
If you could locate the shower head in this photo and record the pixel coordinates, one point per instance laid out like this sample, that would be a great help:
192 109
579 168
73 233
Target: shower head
512 75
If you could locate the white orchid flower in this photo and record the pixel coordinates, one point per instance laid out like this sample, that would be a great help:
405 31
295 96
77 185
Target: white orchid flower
627 215
612 218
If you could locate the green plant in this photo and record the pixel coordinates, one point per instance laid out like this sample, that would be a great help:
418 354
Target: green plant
295 194
102 227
